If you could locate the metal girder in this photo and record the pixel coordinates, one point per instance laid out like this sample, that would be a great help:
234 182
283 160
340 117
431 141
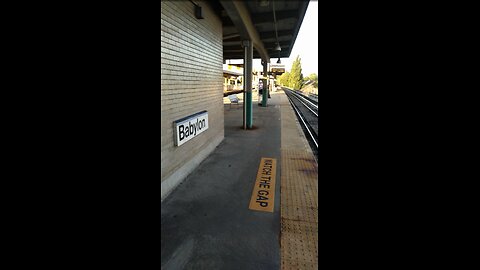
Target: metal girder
238 13
239 50
271 34
280 15
273 54
231 36
231 45
267 17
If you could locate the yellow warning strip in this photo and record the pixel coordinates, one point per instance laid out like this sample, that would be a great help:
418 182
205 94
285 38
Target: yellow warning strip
263 194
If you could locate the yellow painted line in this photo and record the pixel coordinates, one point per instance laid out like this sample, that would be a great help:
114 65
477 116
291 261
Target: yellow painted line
263 194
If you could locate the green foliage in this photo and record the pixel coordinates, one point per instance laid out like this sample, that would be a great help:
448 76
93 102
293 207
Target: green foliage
283 79
312 77
295 79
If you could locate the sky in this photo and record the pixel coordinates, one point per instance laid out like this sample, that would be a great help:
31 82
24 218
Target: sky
306 44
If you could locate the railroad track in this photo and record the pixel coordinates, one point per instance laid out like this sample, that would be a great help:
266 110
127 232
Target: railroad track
307 113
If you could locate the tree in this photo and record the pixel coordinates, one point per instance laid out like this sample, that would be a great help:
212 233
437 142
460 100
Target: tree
295 79
283 79
312 77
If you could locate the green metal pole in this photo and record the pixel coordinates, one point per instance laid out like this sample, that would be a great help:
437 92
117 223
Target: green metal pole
265 86
249 109
265 93
248 81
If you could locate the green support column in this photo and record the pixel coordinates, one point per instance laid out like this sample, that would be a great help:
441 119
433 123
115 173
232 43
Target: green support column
249 109
265 93
265 85
248 60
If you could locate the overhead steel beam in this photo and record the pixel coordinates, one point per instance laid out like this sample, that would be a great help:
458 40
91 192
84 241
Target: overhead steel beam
236 43
267 17
274 54
280 15
233 50
231 45
271 34
238 13
231 36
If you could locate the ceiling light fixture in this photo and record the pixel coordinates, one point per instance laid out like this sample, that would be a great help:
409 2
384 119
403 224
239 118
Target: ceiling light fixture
278 61
278 48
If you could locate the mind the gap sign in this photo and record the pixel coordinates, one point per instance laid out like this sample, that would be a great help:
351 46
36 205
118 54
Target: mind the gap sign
189 127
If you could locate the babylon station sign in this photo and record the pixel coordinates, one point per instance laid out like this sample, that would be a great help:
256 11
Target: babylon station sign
189 127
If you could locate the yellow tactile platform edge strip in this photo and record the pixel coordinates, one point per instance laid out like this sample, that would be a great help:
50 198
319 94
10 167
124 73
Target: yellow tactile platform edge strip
299 211
299 200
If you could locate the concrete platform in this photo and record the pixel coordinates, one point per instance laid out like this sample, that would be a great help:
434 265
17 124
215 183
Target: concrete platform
299 190
206 222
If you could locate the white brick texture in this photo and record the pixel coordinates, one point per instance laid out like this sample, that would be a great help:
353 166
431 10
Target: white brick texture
191 81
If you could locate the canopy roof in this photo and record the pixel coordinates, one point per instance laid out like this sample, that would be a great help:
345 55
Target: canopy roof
254 20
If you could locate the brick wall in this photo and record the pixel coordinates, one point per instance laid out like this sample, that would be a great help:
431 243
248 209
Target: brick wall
191 81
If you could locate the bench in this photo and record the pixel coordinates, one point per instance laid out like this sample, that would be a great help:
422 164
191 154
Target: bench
233 99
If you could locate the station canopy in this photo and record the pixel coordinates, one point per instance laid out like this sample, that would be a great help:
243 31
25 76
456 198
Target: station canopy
254 20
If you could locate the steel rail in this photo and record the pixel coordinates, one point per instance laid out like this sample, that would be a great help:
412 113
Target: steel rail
301 95
316 114
303 121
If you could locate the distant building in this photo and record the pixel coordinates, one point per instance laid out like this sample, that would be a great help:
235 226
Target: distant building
232 77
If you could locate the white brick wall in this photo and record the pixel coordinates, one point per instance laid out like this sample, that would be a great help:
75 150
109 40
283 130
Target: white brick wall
191 81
